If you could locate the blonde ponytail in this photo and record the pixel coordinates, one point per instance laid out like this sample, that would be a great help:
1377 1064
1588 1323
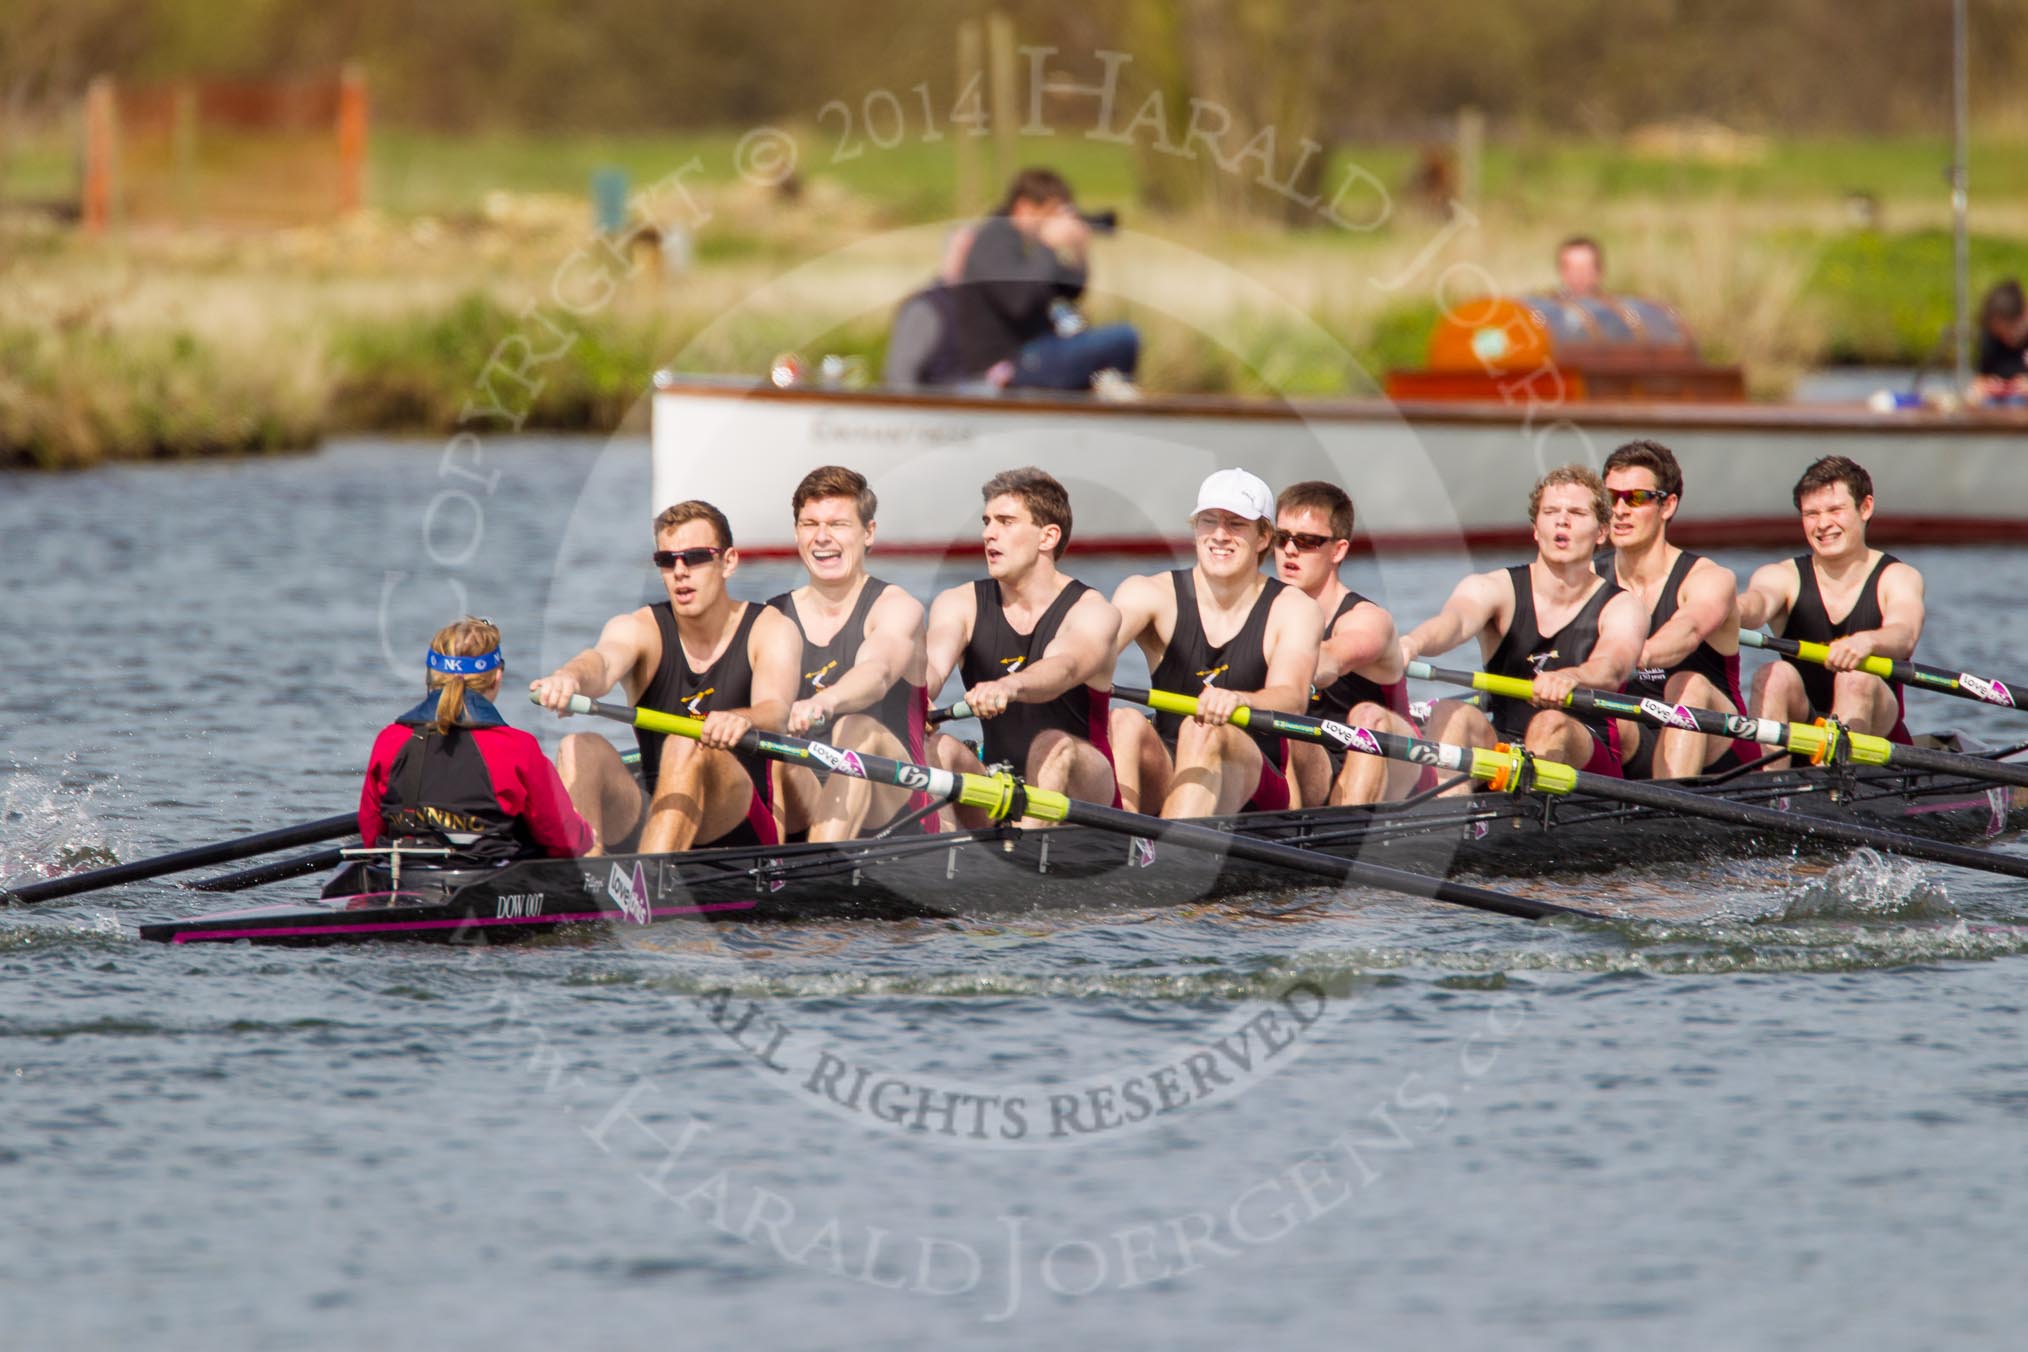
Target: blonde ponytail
469 637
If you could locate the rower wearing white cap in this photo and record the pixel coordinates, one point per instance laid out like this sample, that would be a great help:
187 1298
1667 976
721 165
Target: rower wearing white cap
1229 634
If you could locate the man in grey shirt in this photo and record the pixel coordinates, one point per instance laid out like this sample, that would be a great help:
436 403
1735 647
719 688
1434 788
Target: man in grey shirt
1014 308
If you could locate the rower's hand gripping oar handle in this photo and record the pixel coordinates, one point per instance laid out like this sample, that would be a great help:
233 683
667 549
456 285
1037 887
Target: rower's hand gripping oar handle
950 713
1963 684
1003 797
1821 741
999 796
1502 768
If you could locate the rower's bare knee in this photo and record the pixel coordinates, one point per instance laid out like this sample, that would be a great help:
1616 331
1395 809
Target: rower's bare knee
1459 723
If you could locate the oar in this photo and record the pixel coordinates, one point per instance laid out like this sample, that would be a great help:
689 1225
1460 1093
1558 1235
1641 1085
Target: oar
1002 798
1818 742
272 872
1985 689
1509 770
264 842
957 709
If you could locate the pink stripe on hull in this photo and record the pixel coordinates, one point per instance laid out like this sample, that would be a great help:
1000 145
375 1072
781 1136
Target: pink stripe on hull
395 927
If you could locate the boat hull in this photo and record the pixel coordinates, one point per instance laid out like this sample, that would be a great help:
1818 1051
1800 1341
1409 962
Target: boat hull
1424 476
1009 872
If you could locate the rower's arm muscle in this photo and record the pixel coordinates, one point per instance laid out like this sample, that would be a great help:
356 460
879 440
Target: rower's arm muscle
616 659
1365 644
1472 609
1708 605
1081 653
1768 596
774 649
892 629
1137 602
1902 612
1622 627
1295 632
951 618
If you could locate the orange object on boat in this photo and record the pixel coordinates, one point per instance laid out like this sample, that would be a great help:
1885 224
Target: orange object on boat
1552 349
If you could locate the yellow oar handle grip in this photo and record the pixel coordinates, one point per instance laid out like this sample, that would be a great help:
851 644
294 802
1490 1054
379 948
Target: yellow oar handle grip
1820 655
650 720
1508 687
1169 702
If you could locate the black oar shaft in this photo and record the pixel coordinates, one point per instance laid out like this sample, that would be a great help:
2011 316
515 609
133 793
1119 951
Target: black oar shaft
1328 868
1637 792
1643 794
274 872
998 796
283 838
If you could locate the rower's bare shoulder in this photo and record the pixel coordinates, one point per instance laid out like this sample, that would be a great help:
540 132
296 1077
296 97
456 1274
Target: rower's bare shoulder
1494 589
896 607
635 629
954 603
1368 617
1902 580
773 630
1294 610
1709 575
1780 578
1144 593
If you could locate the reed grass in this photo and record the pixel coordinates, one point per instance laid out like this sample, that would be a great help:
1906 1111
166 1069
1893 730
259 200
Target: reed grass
201 343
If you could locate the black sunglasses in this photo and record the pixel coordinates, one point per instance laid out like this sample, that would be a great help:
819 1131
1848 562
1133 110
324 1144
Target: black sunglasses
1302 540
1636 497
697 557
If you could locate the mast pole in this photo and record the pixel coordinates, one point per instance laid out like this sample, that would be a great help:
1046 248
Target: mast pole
1960 199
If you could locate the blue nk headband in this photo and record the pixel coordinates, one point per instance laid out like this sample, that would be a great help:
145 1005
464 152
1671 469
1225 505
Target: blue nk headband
464 666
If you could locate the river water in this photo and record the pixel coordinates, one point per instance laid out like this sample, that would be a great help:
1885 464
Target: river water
1787 1108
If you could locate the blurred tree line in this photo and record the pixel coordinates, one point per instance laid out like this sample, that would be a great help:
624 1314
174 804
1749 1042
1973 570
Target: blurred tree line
1336 68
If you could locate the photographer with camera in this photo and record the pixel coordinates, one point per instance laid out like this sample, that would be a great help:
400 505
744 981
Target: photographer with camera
1014 306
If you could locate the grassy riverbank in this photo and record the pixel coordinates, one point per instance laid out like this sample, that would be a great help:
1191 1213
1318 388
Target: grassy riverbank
175 343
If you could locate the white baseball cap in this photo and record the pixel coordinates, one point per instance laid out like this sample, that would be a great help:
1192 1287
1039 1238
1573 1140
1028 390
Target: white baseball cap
1238 492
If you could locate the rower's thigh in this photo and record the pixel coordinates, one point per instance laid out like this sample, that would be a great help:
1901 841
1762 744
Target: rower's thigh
1864 703
946 752
871 737
599 781
1461 724
724 791
1401 775
1557 735
1778 693
1309 772
1695 689
1071 765
796 793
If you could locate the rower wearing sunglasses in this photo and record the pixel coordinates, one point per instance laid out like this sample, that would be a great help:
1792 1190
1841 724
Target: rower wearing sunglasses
1230 635
1359 680
1554 621
1691 656
863 663
701 653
